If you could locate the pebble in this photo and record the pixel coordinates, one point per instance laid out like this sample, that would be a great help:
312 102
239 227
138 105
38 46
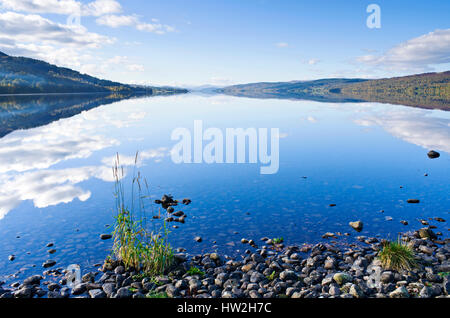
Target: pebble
325 270
49 263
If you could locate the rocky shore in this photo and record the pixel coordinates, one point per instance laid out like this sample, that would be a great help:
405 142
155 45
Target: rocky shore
272 270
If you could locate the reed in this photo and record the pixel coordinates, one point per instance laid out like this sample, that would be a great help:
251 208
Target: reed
134 245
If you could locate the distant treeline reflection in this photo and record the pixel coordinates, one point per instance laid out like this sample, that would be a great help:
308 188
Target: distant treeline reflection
30 111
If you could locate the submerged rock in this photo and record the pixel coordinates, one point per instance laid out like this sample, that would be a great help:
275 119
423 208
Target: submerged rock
179 213
427 234
433 154
24 292
357 226
49 263
328 235
33 280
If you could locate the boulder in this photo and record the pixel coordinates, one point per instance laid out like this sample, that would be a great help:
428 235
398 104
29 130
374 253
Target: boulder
357 226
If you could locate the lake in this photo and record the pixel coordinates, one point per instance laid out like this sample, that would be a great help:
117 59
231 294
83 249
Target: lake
56 183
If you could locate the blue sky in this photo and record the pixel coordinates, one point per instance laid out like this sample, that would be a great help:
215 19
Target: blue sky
195 42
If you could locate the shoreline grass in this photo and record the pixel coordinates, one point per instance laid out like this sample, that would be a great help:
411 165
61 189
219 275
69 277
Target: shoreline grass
134 245
397 256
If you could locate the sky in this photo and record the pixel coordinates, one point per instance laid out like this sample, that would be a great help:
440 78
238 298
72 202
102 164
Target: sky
222 42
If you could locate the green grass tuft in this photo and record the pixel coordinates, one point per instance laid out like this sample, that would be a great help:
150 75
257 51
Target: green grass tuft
195 271
134 245
278 240
272 276
156 295
397 256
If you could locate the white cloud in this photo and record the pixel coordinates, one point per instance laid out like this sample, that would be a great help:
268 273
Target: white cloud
155 28
43 6
116 63
136 68
417 54
69 45
282 44
37 37
313 61
101 7
67 7
116 21
36 29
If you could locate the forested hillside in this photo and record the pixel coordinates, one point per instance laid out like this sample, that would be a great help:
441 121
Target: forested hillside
20 75
431 90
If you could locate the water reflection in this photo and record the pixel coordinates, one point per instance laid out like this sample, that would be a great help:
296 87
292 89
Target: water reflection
57 179
29 111
427 129
27 155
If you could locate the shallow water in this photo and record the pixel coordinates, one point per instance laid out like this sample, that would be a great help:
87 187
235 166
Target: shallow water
56 181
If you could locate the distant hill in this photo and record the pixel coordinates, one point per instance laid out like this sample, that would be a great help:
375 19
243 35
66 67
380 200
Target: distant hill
20 75
430 90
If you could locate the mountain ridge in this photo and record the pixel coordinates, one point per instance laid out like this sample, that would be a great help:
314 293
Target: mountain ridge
427 90
22 75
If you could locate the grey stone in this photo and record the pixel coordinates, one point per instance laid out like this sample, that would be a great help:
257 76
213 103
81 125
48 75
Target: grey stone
400 292
342 278
124 292
356 291
49 263
79 289
257 277
288 275
109 289
387 277
33 280
172 291
97 293
24 292
53 287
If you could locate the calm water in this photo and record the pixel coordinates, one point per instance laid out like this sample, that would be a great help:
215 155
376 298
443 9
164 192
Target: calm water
56 180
